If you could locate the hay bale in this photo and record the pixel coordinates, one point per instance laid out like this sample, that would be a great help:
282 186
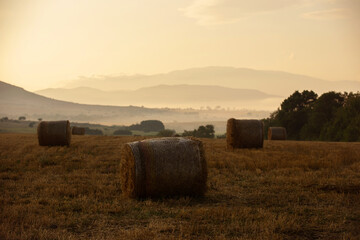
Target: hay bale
54 133
276 133
244 134
163 167
78 130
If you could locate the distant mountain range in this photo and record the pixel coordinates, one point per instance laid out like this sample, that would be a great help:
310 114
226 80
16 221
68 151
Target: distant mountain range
218 93
15 102
161 96
270 82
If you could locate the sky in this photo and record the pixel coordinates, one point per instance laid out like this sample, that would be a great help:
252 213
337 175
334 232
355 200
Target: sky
46 42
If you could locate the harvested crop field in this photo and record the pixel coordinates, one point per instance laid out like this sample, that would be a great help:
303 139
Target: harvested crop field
285 190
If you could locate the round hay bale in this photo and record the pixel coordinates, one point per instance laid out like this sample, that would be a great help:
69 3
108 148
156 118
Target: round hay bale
163 167
244 133
78 130
276 133
54 133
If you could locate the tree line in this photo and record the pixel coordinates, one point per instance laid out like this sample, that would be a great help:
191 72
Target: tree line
334 116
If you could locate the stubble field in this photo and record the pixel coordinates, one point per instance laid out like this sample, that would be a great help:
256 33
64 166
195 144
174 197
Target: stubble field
287 190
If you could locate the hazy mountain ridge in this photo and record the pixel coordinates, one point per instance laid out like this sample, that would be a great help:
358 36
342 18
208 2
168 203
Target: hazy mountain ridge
160 95
15 102
270 82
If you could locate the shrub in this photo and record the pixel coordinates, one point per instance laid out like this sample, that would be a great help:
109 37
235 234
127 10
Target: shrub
4 119
89 131
123 132
202 132
148 126
167 133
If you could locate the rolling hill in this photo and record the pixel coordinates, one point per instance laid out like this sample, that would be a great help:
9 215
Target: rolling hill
15 102
182 95
271 82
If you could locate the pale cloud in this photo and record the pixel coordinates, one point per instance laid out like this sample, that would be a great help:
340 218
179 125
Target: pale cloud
226 11
330 14
292 56
211 12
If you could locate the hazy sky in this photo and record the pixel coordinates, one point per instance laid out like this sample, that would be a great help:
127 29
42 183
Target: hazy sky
44 42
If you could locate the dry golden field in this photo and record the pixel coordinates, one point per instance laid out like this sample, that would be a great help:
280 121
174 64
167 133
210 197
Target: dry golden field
287 190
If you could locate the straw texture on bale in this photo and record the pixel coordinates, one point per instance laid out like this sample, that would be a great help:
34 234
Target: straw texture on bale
78 130
163 167
244 134
276 133
54 133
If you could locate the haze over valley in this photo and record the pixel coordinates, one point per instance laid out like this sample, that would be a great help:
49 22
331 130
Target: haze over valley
214 87
15 102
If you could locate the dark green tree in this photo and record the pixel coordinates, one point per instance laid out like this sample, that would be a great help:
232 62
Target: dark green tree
148 126
333 116
202 132
293 114
323 110
345 126
166 133
122 132
90 131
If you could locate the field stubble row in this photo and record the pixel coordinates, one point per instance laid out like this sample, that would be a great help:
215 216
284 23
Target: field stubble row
287 190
